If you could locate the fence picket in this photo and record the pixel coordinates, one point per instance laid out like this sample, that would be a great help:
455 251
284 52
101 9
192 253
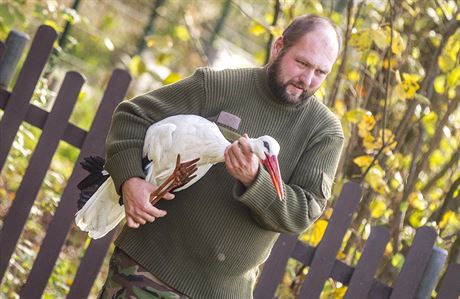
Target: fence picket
363 275
450 285
38 165
63 217
89 267
18 103
411 273
324 258
273 270
2 49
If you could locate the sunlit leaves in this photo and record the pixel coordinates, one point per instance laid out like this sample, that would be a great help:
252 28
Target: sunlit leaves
377 208
410 84
171 78
366 125
382 37
397 260
257 29
314 234
429 122
376 180
181 33
450 223
363 161
362 41
137 66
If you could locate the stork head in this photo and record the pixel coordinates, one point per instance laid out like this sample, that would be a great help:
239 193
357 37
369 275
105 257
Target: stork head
266 148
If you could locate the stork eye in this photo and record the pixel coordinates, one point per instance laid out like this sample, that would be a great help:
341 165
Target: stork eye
267 145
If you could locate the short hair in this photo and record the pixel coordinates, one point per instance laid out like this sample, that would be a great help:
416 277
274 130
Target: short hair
306 23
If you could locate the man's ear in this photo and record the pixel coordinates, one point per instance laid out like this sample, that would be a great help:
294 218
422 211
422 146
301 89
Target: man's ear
277 47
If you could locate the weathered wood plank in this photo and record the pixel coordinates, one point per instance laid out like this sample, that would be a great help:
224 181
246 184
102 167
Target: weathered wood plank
325 255
274 267
38 165
89 267
411 273
23 90
363 275
2 49
64 215
450 285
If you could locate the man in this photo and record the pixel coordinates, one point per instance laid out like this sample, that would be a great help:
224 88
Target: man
210 240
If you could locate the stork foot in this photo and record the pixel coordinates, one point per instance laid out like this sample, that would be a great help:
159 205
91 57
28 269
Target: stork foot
182 174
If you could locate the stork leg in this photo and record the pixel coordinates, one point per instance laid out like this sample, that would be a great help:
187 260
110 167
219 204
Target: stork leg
182 174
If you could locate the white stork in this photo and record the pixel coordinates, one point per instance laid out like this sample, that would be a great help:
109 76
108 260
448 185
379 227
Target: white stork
190 136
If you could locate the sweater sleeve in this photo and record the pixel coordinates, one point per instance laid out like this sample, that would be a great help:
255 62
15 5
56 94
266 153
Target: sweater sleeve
132 118
305 194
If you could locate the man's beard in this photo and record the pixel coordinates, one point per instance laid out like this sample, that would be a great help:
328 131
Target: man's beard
279 89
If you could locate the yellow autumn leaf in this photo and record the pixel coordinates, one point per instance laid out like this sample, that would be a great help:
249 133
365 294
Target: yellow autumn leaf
369 143
171 78
377 208
449 218
397 260
340 108
257 29
373 58
366 124
375 179
453 78
318 231
355 115
410 84
353 75
363 161
418 218
429 121
398 93
397 45
380 38
451 93
393 63
417 201
137 66
361 40
181 32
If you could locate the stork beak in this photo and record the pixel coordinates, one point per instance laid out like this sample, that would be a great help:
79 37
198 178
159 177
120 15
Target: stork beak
272 166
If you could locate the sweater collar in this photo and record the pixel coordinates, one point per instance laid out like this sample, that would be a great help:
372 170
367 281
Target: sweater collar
262 84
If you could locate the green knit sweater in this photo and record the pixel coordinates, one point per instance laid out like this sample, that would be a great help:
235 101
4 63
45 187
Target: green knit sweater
217 233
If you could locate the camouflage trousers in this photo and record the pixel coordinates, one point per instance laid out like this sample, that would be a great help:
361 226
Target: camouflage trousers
128 280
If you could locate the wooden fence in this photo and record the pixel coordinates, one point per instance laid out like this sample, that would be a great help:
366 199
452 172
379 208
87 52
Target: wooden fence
55 127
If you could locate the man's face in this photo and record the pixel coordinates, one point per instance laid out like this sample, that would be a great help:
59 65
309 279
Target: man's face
297 72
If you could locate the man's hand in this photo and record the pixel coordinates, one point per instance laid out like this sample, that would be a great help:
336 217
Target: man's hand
241 163
136 199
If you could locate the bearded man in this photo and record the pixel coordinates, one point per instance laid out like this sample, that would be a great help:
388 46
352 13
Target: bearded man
219 231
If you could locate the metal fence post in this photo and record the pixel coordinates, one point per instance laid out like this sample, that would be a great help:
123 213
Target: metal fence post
431 274
15 43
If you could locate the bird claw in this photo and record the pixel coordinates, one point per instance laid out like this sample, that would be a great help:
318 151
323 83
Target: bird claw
182 174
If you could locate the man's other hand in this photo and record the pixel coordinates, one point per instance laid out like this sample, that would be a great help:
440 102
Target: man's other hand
136 199
241 163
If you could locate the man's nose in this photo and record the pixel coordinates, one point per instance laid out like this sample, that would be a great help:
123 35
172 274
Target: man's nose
306 77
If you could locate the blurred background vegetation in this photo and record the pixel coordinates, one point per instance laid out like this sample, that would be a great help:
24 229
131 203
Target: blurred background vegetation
395 88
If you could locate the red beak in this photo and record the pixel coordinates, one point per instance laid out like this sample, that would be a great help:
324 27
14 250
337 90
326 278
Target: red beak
272 166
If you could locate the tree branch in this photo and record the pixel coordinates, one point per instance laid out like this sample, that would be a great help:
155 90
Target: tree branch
276 14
